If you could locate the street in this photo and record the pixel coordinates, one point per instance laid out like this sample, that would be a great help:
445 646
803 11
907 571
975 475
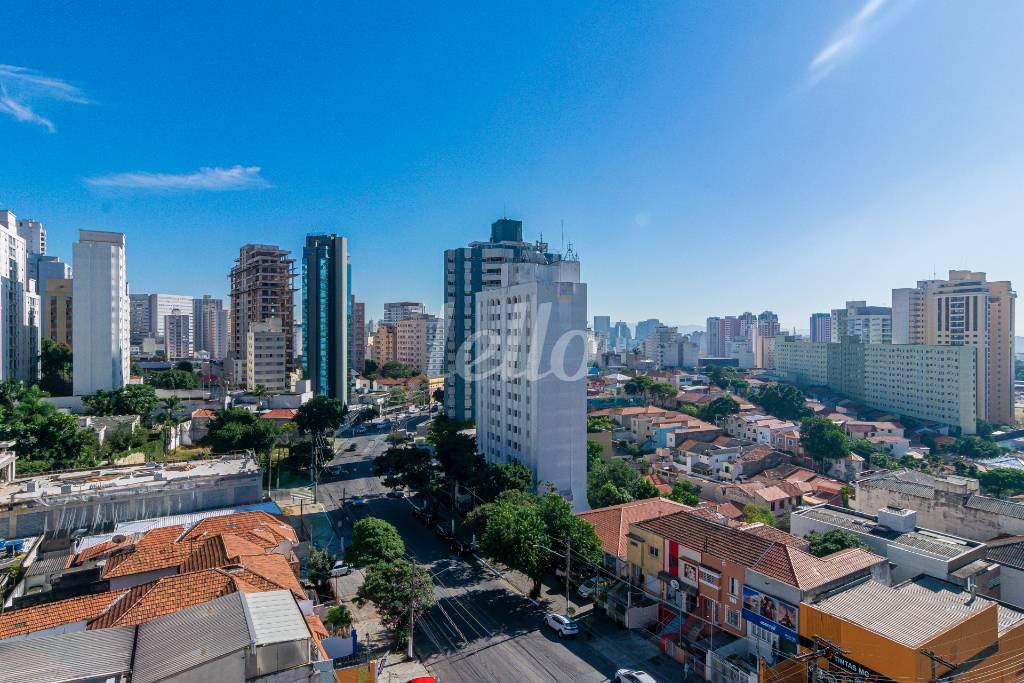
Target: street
481 629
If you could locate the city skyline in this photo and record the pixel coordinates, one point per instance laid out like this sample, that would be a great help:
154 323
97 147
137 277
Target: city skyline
816 152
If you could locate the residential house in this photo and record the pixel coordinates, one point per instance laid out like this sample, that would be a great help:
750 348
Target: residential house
717 589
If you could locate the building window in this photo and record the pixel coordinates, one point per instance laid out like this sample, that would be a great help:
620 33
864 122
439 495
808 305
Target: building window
732 618
652 551
734 586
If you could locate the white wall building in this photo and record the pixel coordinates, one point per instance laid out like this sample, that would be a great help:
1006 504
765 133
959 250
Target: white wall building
19 306
101 312
210 327
163 305
266 349
530 365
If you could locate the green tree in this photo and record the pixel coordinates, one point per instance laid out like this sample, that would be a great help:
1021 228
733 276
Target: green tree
438 396
496 479
561 524
400 591
184 366
173 379
753 513
662 392
783 401
395 370
261 393
599 424
863 448
984 429
721 375
369 368
133 399
595 452
318 567
407 466
338 620
643 489
455 451
829 542
973 447
168 418
640 385
685 492
12 391
1002 481
237 429
374 540
823 440
56 364
320 415
718 408
515 536
607 493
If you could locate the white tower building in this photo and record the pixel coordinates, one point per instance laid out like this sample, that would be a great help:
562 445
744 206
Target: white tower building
101 312
530 371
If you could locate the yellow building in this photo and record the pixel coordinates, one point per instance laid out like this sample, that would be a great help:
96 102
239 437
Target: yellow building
433 384
56 313
914 631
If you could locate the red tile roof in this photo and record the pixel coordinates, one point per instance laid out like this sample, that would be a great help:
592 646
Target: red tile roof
805 571
54 614
279 414
260 523
612 523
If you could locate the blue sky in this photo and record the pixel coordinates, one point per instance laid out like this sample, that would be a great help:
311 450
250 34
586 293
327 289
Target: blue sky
706 158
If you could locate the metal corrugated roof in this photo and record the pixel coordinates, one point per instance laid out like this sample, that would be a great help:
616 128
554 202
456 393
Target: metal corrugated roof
911 613
274 617
933 544
191 637
1000 507
68 656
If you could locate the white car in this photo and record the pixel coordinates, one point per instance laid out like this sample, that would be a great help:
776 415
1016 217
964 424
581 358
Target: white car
563 625
341 569
588 587
633 676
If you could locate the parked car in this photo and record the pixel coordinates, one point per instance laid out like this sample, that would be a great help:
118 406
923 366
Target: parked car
397 492
334 470
633 676
563 625
358 502
341 569
361 429
588 587
351 447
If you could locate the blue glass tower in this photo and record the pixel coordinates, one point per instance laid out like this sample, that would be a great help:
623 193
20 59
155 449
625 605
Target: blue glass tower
326 314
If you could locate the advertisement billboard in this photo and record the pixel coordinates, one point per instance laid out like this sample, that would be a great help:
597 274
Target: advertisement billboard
771 614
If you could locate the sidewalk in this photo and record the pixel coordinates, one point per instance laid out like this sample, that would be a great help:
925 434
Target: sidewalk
401 669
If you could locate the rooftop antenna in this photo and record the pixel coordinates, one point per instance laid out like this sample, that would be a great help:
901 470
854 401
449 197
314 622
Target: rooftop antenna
504 213
563 235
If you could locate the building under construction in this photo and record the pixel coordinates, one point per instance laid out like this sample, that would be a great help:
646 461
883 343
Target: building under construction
262 287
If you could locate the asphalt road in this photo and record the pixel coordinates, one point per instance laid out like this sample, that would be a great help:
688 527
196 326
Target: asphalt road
480 629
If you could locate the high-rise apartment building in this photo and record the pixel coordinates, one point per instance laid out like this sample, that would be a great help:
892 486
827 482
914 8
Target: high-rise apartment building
965 310
871 324
210 327
469 271
163 305
326 314
385 344
821 327
602 325
34 234
357 337
140 325
419 343
621 337
721 332
767 324
178 335
928 382
400 310
47 268
19 306
266 354
262 287
645 328
531 388
100 312
58 311
664 346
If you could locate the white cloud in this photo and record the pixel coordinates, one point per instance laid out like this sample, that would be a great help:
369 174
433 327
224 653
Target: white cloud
205 179
20 86
845 41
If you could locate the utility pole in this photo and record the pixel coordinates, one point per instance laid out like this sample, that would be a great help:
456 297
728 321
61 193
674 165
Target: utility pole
568 552
412 626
